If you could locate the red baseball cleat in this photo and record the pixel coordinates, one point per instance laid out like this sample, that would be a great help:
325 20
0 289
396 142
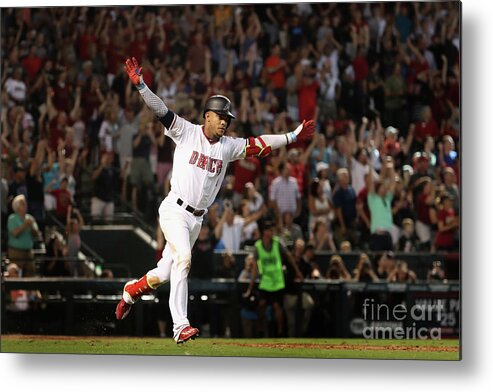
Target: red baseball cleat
122 309
187 333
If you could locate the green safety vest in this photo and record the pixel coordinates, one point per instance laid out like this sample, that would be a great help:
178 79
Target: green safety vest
270 266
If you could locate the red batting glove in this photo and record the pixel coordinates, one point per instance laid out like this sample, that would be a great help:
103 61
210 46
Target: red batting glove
307 130
134 72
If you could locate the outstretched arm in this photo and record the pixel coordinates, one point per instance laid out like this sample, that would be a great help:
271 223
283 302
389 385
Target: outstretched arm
262 145
153 102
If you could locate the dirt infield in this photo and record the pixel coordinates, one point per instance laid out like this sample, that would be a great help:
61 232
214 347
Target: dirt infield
358 347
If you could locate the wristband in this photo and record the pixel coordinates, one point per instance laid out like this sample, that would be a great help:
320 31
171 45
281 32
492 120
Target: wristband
141 86
291 137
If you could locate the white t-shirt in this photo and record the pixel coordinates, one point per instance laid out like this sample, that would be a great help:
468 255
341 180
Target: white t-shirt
199 166
232 235
358 172
106 133
16 89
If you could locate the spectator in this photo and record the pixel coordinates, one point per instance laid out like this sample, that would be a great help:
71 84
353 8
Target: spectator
320 156
20 300
294 293
337 270
284 193
290 231
246 171
298 165
408 242
395 89
15 88
402 273
385 265
330 90
231 227
402 203
51 180
227 268
108 131
436 273
276 73
321 237
344 199
447 155
56 253
74 223
102 203
425 213
426 127
140 170
63 199
323 176
380 204
22 229
448 225
364 270
255 199
421 162
345 247
339 157
249 304
360 166
127 128
318 205
450 182
18 186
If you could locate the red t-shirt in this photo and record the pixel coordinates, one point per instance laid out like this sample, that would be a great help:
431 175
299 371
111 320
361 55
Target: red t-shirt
423 209
278 77
363 198
56 132
361 68
307 100
445 238
32 65
63 200
298 172
61 99
246 170
453 93
84 42
424 129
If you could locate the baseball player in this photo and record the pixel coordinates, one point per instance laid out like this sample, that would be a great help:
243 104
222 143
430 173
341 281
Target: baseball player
199 165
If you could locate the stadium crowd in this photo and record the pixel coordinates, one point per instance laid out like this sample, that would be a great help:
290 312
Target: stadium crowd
381 80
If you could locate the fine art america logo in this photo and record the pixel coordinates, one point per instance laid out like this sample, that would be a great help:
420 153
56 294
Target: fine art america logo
381 321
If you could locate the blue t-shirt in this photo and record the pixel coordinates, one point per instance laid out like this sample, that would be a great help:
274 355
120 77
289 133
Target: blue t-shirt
345 199
52 175
450 158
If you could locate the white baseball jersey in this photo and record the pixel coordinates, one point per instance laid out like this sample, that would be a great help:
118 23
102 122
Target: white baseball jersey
199 165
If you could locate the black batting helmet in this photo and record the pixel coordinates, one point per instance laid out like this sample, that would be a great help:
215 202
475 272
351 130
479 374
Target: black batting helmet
218 104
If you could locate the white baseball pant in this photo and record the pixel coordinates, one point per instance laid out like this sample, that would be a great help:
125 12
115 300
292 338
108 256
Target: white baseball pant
181 229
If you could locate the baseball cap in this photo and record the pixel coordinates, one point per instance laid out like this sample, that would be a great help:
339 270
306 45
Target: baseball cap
321 166
391 131
269 224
